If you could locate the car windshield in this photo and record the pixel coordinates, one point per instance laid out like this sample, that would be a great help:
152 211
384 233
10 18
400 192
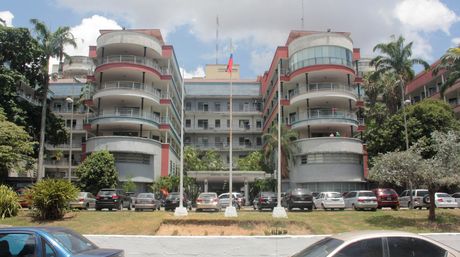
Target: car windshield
322 248
366 194
422 192
334 195
145 195
443 195
107 192
73 242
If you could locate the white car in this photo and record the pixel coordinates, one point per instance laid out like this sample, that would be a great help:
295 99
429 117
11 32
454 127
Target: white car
443 200
457 198
377 244
329 200
361 200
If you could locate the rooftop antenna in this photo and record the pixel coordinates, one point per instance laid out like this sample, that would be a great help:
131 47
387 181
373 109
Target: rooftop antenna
302 19
217 39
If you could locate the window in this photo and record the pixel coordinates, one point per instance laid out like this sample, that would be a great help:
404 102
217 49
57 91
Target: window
292 117
408 246
303 159
259 124
228 123
19 244
188 123
217 123
49 252
241 139
369 248
204 141
203 107
188 106
217 107
74 123
203 124
244 124
187 140
259 141
126 133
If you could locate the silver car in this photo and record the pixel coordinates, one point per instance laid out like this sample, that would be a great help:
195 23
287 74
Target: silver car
85 200
207 201
443 200
457 198
420 197
329 200
224 200
147 201
361 200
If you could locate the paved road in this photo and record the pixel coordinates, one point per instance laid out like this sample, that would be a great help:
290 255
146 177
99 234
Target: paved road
140 246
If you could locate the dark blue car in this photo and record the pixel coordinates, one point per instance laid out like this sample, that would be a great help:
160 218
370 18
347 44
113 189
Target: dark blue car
49 242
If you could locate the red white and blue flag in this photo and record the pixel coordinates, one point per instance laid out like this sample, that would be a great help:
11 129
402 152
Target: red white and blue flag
230 64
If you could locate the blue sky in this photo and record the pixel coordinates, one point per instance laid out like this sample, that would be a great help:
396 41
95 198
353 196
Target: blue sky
256 27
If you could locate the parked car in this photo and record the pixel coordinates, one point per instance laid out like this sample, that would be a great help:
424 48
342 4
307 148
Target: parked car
85 200
299 198
420 197
386 197
208 201
265 200
172 201
24 200
111 198
329 200
132 195
377 244
147 201
361 200
457 198
443 200
49 242
224 200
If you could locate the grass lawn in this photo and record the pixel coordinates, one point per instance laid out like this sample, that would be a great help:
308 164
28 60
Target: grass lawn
247 223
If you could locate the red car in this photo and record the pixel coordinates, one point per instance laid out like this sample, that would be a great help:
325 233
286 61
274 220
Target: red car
24 200
386 197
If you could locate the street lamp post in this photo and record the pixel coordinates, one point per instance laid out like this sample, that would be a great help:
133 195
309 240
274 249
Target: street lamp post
403 106
70 101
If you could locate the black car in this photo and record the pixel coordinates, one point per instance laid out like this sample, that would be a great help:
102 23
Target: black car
299 198
172 201
265 200
112 198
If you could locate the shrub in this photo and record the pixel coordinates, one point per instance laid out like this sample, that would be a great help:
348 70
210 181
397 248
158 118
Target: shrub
50 198
9 202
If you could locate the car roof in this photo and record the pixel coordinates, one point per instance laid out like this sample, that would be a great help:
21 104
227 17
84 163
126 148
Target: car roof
36 229
358 235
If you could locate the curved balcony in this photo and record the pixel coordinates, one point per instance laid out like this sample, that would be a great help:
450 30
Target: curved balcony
319 90
128 88
124 144
78 65
126 115
329 144
138 40
133 59
324 117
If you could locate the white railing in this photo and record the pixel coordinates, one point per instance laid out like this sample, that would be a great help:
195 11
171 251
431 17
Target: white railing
319 87
316 114
131 85
136 60
128 113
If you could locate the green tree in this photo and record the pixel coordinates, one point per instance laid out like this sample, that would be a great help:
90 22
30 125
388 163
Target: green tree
450 63
16 147
288 148
254 161
129 186
171 184
396 58
97 171
212 161
192 160
52 45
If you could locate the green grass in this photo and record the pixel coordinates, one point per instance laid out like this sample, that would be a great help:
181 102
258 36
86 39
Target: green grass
248 222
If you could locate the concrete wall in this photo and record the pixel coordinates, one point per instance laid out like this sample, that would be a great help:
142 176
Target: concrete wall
320 39
129 37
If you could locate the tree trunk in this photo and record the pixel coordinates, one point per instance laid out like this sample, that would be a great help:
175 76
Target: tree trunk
43 122
432 214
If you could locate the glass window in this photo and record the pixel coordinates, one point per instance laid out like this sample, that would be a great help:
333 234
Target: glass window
322 248
188 123
188 106
49 252
18 244
408 246
303 159
217 123
369 248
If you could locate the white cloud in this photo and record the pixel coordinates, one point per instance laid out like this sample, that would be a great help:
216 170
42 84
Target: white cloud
7 16
421 48
455 41
198 72
425 15
260 61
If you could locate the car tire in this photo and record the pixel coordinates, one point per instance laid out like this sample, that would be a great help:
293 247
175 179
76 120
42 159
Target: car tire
395 208
342 209
426 199
110 209
130 206
354 207
198 210
86 206
314 206
98 209
322 206
120 206
289 207
374 209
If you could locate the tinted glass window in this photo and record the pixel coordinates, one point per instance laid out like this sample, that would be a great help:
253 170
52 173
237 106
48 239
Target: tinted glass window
268 194
369 248
49 252
456 195
387 191
422 193
443 195
207 195
334 195
407 246
75 243
18 244
223 196
172 196
321 248
145 195
366 194
107 192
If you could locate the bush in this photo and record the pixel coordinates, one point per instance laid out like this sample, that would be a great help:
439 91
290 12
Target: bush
50 198
9 202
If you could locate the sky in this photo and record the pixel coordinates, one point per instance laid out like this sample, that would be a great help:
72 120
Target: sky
255 27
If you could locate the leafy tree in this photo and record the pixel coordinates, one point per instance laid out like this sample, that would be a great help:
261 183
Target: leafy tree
192 160
97 171
288 148
442 169
372 89
212 161
9 202
16 147
171 184
254 161
449 62
129 186
396 58
52 45
260 185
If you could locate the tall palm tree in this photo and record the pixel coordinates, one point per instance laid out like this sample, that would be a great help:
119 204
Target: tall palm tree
449 62
288 148
372 88
52 45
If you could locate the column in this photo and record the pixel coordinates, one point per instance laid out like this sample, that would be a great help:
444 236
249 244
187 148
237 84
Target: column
246 192
205 185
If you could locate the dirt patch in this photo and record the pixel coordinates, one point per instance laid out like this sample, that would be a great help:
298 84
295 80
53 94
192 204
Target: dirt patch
230 228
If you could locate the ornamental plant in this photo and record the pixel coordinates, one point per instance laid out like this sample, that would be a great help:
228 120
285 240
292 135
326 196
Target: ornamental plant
9 202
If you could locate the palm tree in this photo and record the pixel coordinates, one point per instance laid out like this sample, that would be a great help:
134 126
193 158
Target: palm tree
449 62
288 148
372 88
52 45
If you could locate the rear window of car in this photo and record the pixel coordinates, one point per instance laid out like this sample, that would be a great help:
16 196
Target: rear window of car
108 192
145 195
422 192
334 195
207 195
387 191
223 196
172 196
81 194
443 195
366 194
265 194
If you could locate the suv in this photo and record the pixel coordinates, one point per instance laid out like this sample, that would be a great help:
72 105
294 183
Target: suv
299 198
111 198
265 200
420 196
172 201
386 197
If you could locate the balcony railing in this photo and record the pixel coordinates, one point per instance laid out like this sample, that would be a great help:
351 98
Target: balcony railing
62 146
324 114
244 109
223 146
128 113
223 129
136 60
131 85
320 87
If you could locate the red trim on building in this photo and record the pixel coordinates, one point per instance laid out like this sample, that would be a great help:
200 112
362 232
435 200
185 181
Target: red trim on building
285 102
271 117
365 162
168 51
139 67
165 101
92 53
360 103
321 67
164 126
280 53
83 152
87 126
356 54
90 78
422 79
164 160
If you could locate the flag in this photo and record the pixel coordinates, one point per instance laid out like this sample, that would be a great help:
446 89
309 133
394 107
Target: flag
230 64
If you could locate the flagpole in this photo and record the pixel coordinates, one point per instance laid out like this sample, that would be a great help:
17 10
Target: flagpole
181 210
